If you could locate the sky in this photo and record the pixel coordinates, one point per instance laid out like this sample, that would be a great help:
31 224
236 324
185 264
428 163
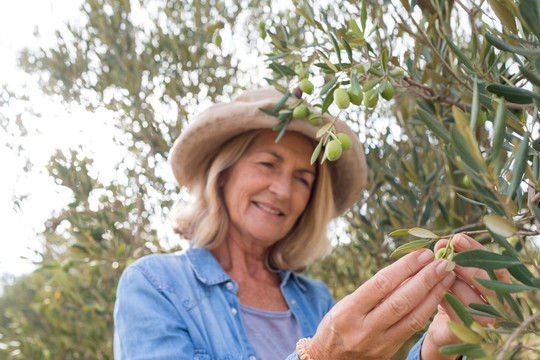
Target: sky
56 128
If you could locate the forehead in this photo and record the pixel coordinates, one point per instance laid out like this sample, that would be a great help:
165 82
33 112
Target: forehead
292 143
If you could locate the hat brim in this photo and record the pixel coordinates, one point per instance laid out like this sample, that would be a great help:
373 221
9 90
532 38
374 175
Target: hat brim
221 122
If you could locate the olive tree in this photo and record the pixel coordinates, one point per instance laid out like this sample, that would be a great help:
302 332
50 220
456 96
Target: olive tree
445 97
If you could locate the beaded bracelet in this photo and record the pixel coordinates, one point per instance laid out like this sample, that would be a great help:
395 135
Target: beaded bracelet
301 349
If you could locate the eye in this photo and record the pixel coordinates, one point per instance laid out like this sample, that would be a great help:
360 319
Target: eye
304 181
266 164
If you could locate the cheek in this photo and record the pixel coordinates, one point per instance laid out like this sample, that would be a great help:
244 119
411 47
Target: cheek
301 200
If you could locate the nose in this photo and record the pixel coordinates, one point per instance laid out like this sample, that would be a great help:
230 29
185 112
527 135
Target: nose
281 186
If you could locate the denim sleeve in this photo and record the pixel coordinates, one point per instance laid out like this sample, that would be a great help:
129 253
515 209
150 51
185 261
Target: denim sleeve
144 325
414 353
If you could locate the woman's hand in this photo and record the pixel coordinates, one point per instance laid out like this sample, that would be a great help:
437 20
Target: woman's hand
375 320
467 290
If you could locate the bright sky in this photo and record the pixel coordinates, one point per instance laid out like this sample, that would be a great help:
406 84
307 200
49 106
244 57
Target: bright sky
56 128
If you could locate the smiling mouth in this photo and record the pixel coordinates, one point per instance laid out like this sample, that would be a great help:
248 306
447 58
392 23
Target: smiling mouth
267 209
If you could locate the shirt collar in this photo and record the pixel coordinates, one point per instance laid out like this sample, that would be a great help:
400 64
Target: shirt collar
206 267
286 275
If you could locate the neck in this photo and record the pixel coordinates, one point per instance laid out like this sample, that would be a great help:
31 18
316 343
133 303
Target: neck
238 257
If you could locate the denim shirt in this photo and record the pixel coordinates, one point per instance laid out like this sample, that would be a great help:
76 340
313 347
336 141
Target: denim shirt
184 306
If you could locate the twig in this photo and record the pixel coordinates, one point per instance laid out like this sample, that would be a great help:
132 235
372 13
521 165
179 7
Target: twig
515 334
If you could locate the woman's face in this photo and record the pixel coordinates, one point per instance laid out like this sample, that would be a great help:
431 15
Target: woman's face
269 187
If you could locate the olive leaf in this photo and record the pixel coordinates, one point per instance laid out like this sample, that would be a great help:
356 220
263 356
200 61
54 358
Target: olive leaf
410 247
499 225
423 233
485 260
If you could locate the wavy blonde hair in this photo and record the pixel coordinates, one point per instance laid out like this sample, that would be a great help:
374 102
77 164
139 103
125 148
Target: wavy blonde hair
204 221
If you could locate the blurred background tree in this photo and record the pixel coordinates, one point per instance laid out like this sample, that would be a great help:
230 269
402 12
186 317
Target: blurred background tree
155 63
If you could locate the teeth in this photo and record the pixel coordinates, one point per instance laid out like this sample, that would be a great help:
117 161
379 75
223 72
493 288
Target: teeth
271 211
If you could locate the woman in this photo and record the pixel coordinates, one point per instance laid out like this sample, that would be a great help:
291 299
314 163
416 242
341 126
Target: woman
258 216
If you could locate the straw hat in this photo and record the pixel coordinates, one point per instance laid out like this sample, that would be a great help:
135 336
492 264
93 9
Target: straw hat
221 122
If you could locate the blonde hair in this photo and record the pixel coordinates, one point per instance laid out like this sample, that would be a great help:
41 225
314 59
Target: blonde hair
204 219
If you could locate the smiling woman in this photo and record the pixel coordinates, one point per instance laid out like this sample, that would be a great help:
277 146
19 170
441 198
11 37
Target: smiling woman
258 216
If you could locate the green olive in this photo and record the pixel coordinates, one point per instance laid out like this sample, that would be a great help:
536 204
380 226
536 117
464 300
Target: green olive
388 92
371 97
341 98
345 141
306 86
315 119
355 99
333 150
300 112
440 253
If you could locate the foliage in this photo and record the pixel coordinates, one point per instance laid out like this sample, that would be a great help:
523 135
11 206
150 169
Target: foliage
151 64
452 143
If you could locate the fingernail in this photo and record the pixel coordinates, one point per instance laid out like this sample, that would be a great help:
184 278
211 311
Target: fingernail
441 268
463 242
448 279
425 257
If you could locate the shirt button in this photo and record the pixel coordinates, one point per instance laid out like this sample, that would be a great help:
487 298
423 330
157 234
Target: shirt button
252 357
293 302
229 285
234 311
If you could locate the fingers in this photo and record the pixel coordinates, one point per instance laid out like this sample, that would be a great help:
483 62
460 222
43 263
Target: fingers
412 293
416 319
390 278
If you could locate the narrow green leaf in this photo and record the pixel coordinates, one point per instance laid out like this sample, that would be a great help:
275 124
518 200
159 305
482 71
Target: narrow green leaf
504 46
513 94
399 232
504 14
459 308
281 133
537 64
371 84
524 275
348 49
529 13
484 310
336 47
355 29
500 225
475 106
363 15
463 333
282 101
467 133
498 135
269 112
434 125
460 55
384 60
423 233
323 129
280 125
309 9
327 101
514 306
472 350
316 152
530 75
503 286
520 164
410 247
484 260
501 240
355 85
328 85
